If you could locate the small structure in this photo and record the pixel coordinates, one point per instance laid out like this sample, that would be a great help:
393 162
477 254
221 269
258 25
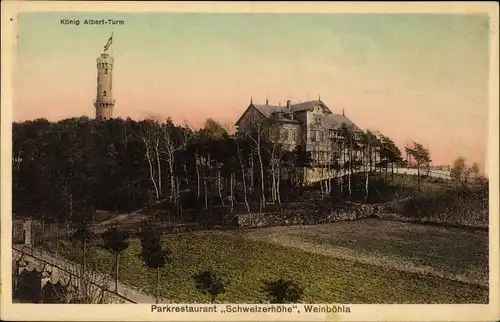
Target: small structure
22 231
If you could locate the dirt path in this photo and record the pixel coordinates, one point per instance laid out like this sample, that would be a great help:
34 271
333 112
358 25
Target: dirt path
448 253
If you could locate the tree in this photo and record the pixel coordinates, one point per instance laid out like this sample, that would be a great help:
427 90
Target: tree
259 128
150 135
390 154
216 130
221 152
475 170
115 241
302 160
209 282
243 148
346 148
154 254
458 170
283 291
174 139
369 142
85 237
275 149
421 156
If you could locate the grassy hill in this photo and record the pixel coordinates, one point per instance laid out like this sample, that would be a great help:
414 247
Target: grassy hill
460 205
246 263
382 187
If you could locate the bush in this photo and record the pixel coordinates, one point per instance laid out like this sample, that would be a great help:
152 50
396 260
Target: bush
209 282
460 205
283 291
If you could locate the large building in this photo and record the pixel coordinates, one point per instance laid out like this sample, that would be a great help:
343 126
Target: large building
309 124
104 101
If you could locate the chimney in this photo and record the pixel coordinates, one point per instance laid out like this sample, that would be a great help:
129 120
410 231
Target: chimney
288 104
267 101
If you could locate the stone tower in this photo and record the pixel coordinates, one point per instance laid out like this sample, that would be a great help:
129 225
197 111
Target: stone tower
104 101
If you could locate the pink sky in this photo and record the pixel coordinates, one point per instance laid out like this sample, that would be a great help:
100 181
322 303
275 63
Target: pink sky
417 78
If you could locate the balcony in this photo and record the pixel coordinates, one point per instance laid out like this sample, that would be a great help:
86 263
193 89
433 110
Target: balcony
105 100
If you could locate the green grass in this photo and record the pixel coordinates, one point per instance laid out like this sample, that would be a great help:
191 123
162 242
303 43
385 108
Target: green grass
460 205
458 253
384 189
246 263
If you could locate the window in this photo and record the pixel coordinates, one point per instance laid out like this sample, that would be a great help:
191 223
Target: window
294 136
313 136
284 135
106 71
321 136
105 92
318 119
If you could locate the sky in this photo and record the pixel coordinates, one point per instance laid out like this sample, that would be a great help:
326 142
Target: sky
413 77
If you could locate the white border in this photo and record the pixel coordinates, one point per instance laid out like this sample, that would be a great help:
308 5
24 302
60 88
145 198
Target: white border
139 312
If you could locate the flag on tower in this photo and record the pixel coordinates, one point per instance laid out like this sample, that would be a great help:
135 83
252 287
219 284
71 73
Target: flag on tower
110 41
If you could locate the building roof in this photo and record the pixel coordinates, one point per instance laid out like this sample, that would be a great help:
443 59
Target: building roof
305 106
331 121
268 110
335 121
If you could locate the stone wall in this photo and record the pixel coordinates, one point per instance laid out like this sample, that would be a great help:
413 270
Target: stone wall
54 270
310 215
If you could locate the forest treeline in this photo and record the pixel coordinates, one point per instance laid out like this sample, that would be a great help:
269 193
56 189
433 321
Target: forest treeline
79 165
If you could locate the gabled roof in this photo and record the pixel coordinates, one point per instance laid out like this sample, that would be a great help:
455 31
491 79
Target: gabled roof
331 121
268 110
307 105
335 121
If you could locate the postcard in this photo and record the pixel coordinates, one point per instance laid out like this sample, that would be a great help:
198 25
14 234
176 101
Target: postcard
237 161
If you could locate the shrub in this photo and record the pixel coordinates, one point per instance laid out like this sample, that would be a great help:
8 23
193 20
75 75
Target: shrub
283 291
210 283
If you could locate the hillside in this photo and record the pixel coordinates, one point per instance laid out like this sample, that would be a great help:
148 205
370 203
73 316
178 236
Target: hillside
246 263
461 205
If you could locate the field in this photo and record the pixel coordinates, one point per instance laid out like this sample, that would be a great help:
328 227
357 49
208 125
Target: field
246 259
445 252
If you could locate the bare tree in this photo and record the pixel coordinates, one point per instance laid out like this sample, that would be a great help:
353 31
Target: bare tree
174 139
258 131
243 175
150 135
277 138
